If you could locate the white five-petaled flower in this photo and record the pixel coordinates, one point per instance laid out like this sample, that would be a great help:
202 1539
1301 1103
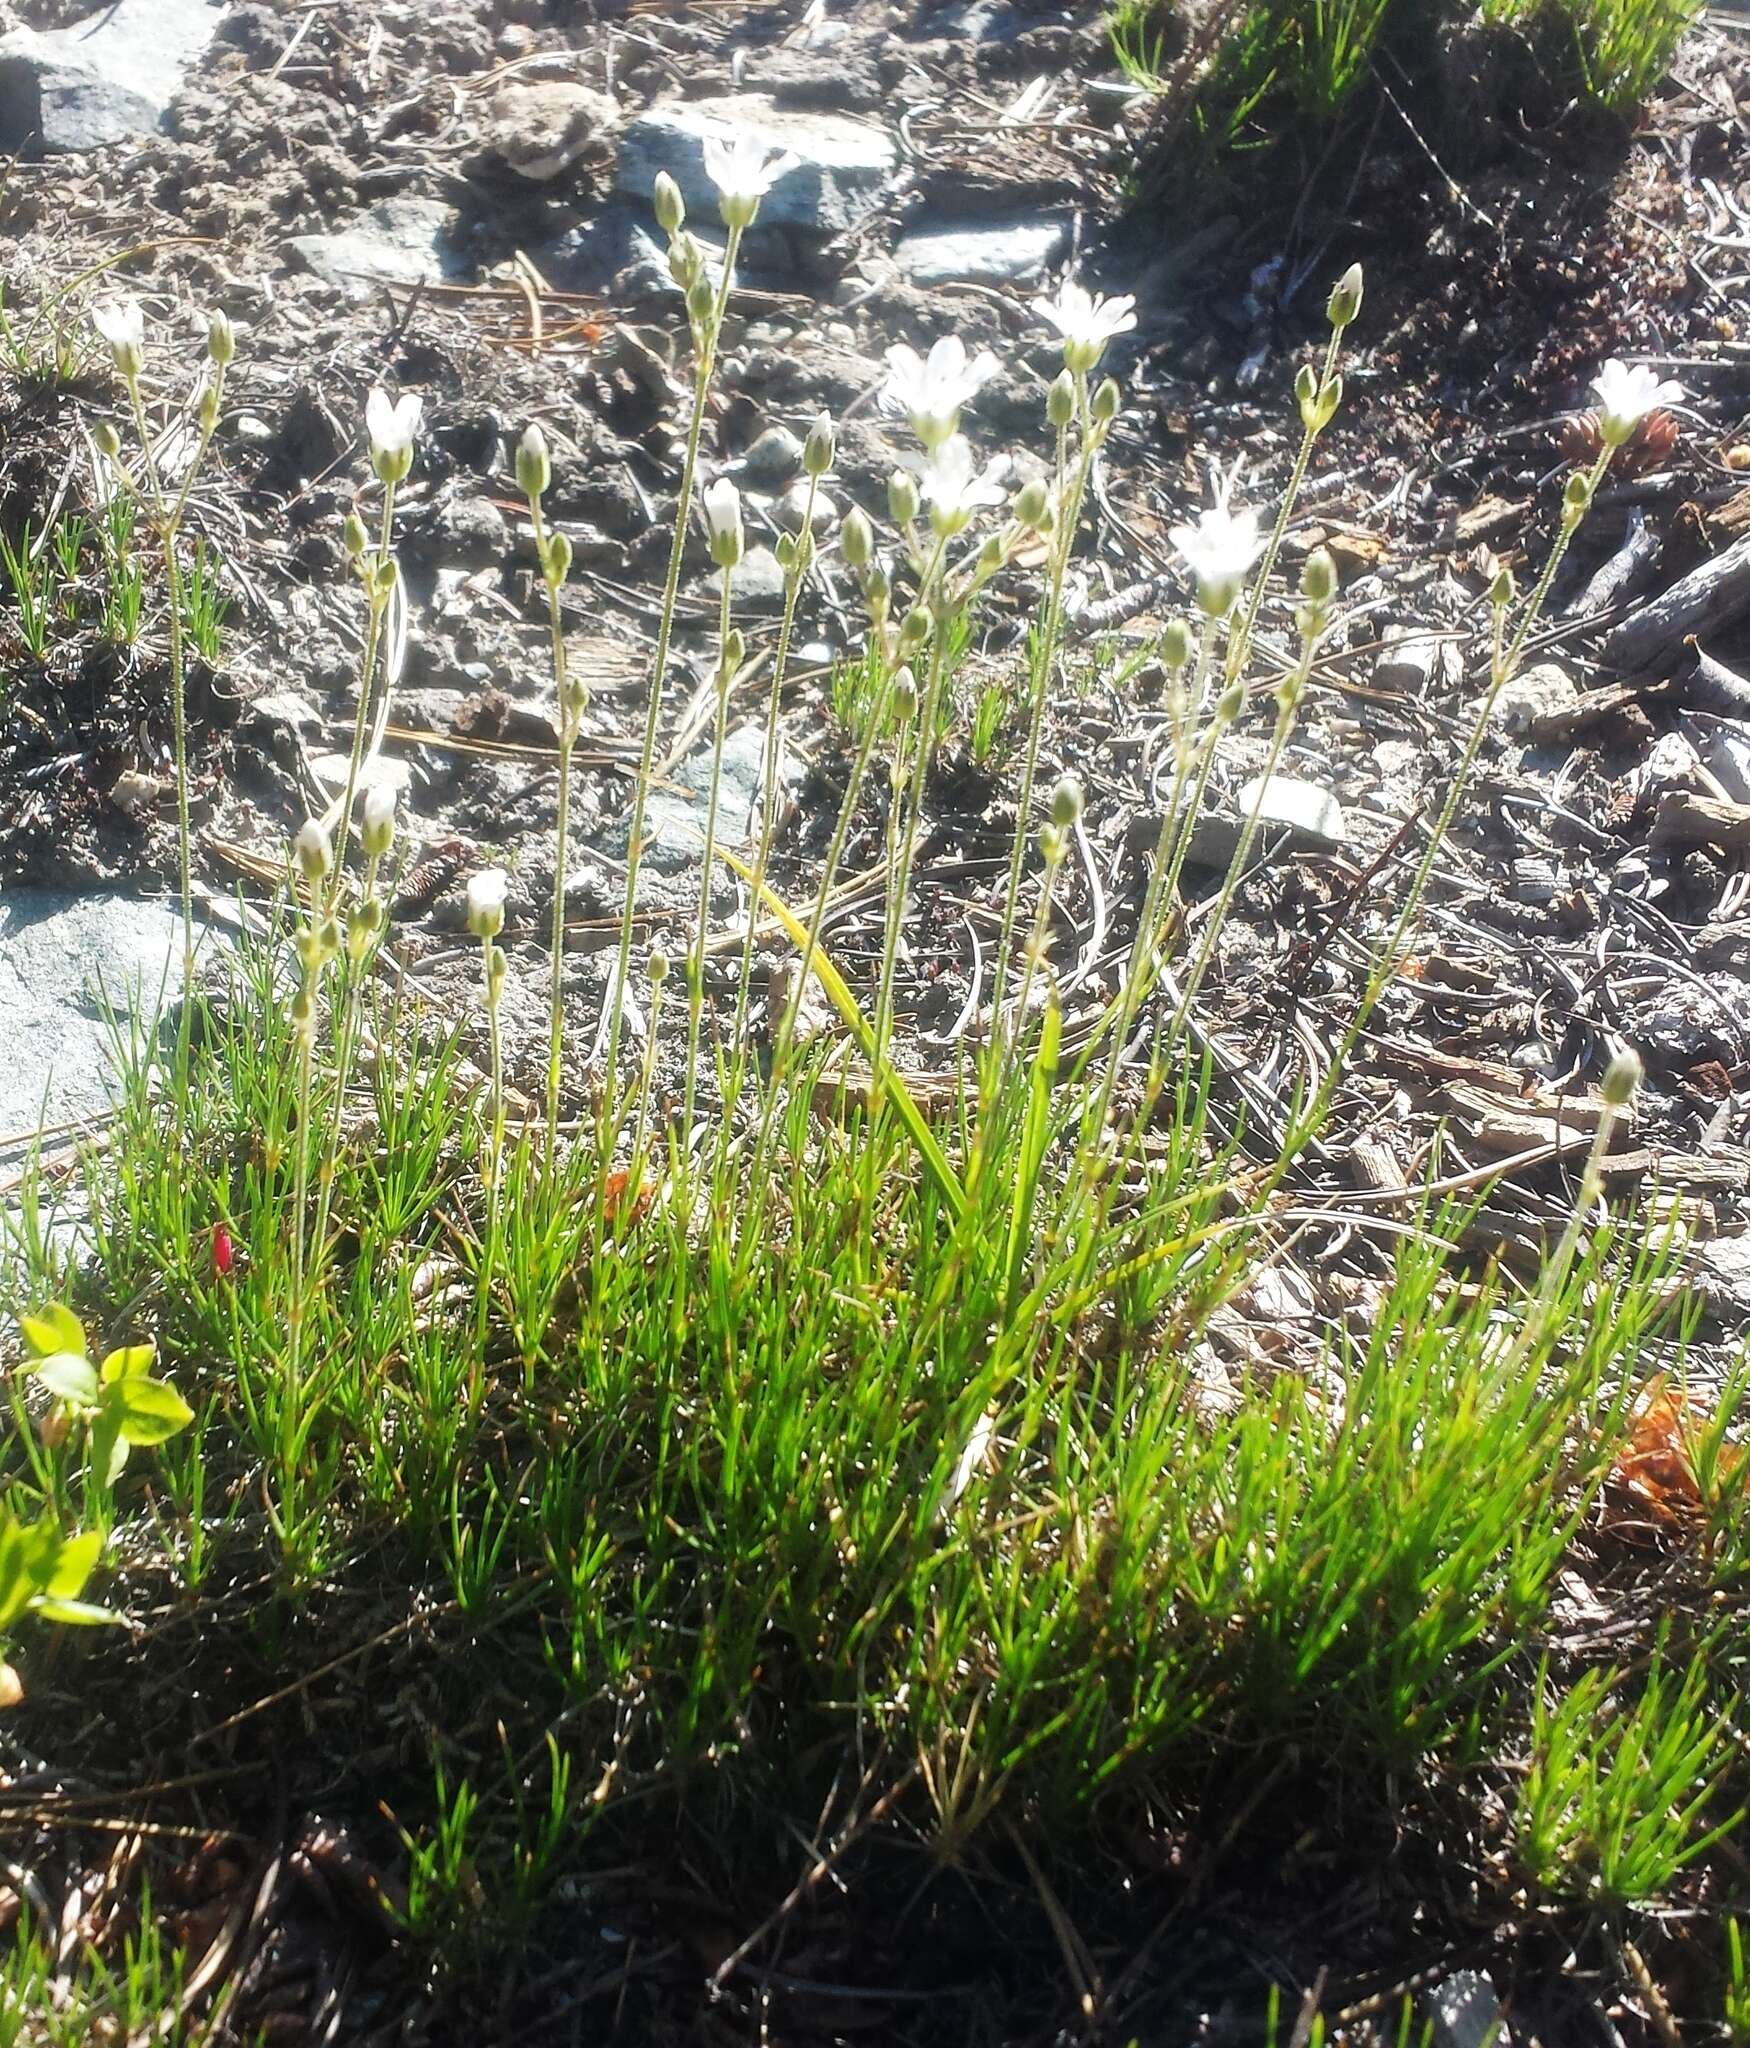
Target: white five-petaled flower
953 485
930 390
486 894
1086 322
1626 396
391 426
1219 548
722 509
744 168
122 326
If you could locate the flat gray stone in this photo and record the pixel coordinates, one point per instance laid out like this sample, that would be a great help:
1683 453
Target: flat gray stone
105 78
755 582
981 251
402 240
675 816
621 251
842 164
1537 700
61 958
1294 817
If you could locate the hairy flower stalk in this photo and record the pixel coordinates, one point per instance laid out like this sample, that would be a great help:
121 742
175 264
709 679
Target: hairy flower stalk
390 428
796 557
705 309
120 323
656 967
485 912
1066 811
553 552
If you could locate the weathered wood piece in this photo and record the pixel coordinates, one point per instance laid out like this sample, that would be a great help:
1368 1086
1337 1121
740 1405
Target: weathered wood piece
1710 597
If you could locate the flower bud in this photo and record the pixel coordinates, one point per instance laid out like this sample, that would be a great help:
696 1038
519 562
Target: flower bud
734 651
1066 802
1231 702
902 497
485 899
1576 497
355 536
1032 506
497 966
1176 645
857 540
573 698
671 208
723 530
534 468
302 1008
1060 400
384 576
686 261
221 337
1622 1079
1107 399
657 966
1054 845
361 927
701 302
914 631
991 556
313 851
556 560
1318 578
905 692
1503 588
820 447
107 440
328 938
377 822
877 590
206 410
1345 300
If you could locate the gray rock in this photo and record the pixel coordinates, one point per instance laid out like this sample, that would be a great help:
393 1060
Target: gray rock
774 457
397 241
101 80
473 529
1536 700
1295 816
676 821
1719 1271
981 251
1463 2012
755 582
792 508
841 169
620 251
62 958
1408 662
541 129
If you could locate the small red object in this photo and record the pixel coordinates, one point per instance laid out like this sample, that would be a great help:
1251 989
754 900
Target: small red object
222 1253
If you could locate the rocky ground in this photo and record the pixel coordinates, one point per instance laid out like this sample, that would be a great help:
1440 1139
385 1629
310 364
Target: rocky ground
451 197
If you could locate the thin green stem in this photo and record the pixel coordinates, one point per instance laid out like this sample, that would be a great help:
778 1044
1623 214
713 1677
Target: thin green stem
568 725
696 977
361 723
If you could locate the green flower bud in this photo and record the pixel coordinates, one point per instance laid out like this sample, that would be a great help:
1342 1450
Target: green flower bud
671 208
1622 1079
377 822
497 966
785 550
857 540
991 556
1502 590
734 651
657 966
1060 400
1345 300
355 535
1032 506
1576 497
686 261
534 469
1054 845
108 441
1231 702
206 410
905 692
384 576
556 560
902 497
328 937
221 337
313 851
1318 578
1107 399
1176 645
820 447
303 1009
1066 802
701 302
914 631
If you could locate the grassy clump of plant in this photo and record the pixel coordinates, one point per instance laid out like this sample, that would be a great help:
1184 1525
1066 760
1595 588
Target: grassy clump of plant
798 1418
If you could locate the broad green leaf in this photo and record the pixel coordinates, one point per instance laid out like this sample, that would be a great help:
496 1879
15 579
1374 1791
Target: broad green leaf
128 1361
934 1158
73 1566
149 1410
82 1613
56 1329
69 1379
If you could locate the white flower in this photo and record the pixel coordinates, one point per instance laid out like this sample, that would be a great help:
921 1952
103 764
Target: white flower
954 487
930 390
1086 323
391 427
744 169
1626 396
1220 548
122 326
722 508
486 894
